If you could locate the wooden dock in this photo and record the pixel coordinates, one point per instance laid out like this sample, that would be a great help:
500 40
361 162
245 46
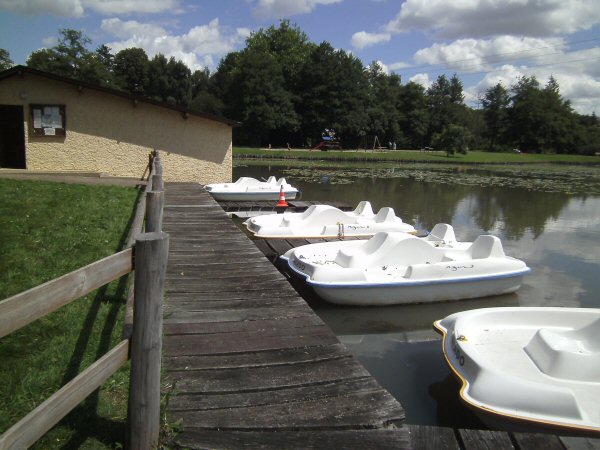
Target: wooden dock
252 366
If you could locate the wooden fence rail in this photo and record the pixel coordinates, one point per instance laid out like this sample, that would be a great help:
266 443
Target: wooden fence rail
149 260
22 309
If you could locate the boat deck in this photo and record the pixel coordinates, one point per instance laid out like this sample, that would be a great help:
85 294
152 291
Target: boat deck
270 206
250 365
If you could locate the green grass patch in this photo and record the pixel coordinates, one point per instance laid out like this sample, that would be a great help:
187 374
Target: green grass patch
473 157
50 229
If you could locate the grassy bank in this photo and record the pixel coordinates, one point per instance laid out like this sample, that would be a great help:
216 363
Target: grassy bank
474 157
50 229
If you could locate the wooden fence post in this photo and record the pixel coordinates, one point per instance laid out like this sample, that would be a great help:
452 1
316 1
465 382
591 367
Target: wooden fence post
157 183
151 252
158 167
155 201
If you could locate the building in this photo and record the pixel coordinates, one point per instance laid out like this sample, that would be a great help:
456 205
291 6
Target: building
52 123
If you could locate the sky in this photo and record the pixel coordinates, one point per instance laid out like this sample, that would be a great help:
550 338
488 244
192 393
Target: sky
484 42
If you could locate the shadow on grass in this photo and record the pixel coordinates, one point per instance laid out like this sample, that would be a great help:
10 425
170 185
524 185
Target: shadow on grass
84 419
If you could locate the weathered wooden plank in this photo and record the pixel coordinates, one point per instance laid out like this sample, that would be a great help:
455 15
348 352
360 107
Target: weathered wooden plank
210 344
35 424
297 242
580 443
257 359
323 391
537 441
302 320
280 246
255 260
486 439
21 309
246 379
196 306
239 314
356 410
235 286
348 439
257 294
430 437
262 269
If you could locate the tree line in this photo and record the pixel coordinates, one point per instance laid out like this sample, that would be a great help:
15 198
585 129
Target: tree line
285 89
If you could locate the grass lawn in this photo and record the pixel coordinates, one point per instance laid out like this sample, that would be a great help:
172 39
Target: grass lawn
416 156
49 229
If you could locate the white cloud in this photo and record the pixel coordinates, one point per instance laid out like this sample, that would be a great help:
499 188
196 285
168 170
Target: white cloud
61 8
77 8
476 55
363 39
480 18
201 46
109 7
50 41
279 9
422 79
399 65
577 74
383 67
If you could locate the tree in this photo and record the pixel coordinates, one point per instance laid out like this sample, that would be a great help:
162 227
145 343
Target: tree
204 96
415 115
560 129
5 61
383 113
71 58
334 94
157 85
253 85
541 120
168 80
495 112
180 86
131 70
526 114
290 46
452 139
445 103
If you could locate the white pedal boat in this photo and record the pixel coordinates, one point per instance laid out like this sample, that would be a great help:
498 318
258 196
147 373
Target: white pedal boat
251 189
399 268
540 365
327 221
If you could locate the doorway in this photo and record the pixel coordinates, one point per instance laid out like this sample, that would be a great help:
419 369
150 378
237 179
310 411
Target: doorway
12 137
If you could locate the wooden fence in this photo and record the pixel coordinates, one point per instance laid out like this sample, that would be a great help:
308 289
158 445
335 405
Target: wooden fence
146 258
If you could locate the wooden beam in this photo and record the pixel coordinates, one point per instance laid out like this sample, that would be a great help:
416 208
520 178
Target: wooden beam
22 309
35 424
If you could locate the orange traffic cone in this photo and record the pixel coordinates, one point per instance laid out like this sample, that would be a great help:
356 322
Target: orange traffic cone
282 201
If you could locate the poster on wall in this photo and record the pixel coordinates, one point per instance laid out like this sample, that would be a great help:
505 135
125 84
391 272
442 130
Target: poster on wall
48 120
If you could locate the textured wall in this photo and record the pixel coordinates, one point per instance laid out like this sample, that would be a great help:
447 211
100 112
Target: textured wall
114 135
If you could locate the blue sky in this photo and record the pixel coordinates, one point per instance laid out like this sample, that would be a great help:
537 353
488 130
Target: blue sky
483 41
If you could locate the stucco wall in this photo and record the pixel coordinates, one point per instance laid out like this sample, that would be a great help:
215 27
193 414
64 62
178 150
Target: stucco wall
114 135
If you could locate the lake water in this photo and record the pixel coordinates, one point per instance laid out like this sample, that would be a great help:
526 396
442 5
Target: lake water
548 218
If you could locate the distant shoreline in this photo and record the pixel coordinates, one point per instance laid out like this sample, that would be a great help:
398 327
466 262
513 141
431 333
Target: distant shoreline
414 156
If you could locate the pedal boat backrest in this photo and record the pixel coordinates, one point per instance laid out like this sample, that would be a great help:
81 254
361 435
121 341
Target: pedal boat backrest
363 209
486 246
442 232
389 248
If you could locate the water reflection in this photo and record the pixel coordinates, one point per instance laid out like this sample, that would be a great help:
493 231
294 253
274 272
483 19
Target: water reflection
555 233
